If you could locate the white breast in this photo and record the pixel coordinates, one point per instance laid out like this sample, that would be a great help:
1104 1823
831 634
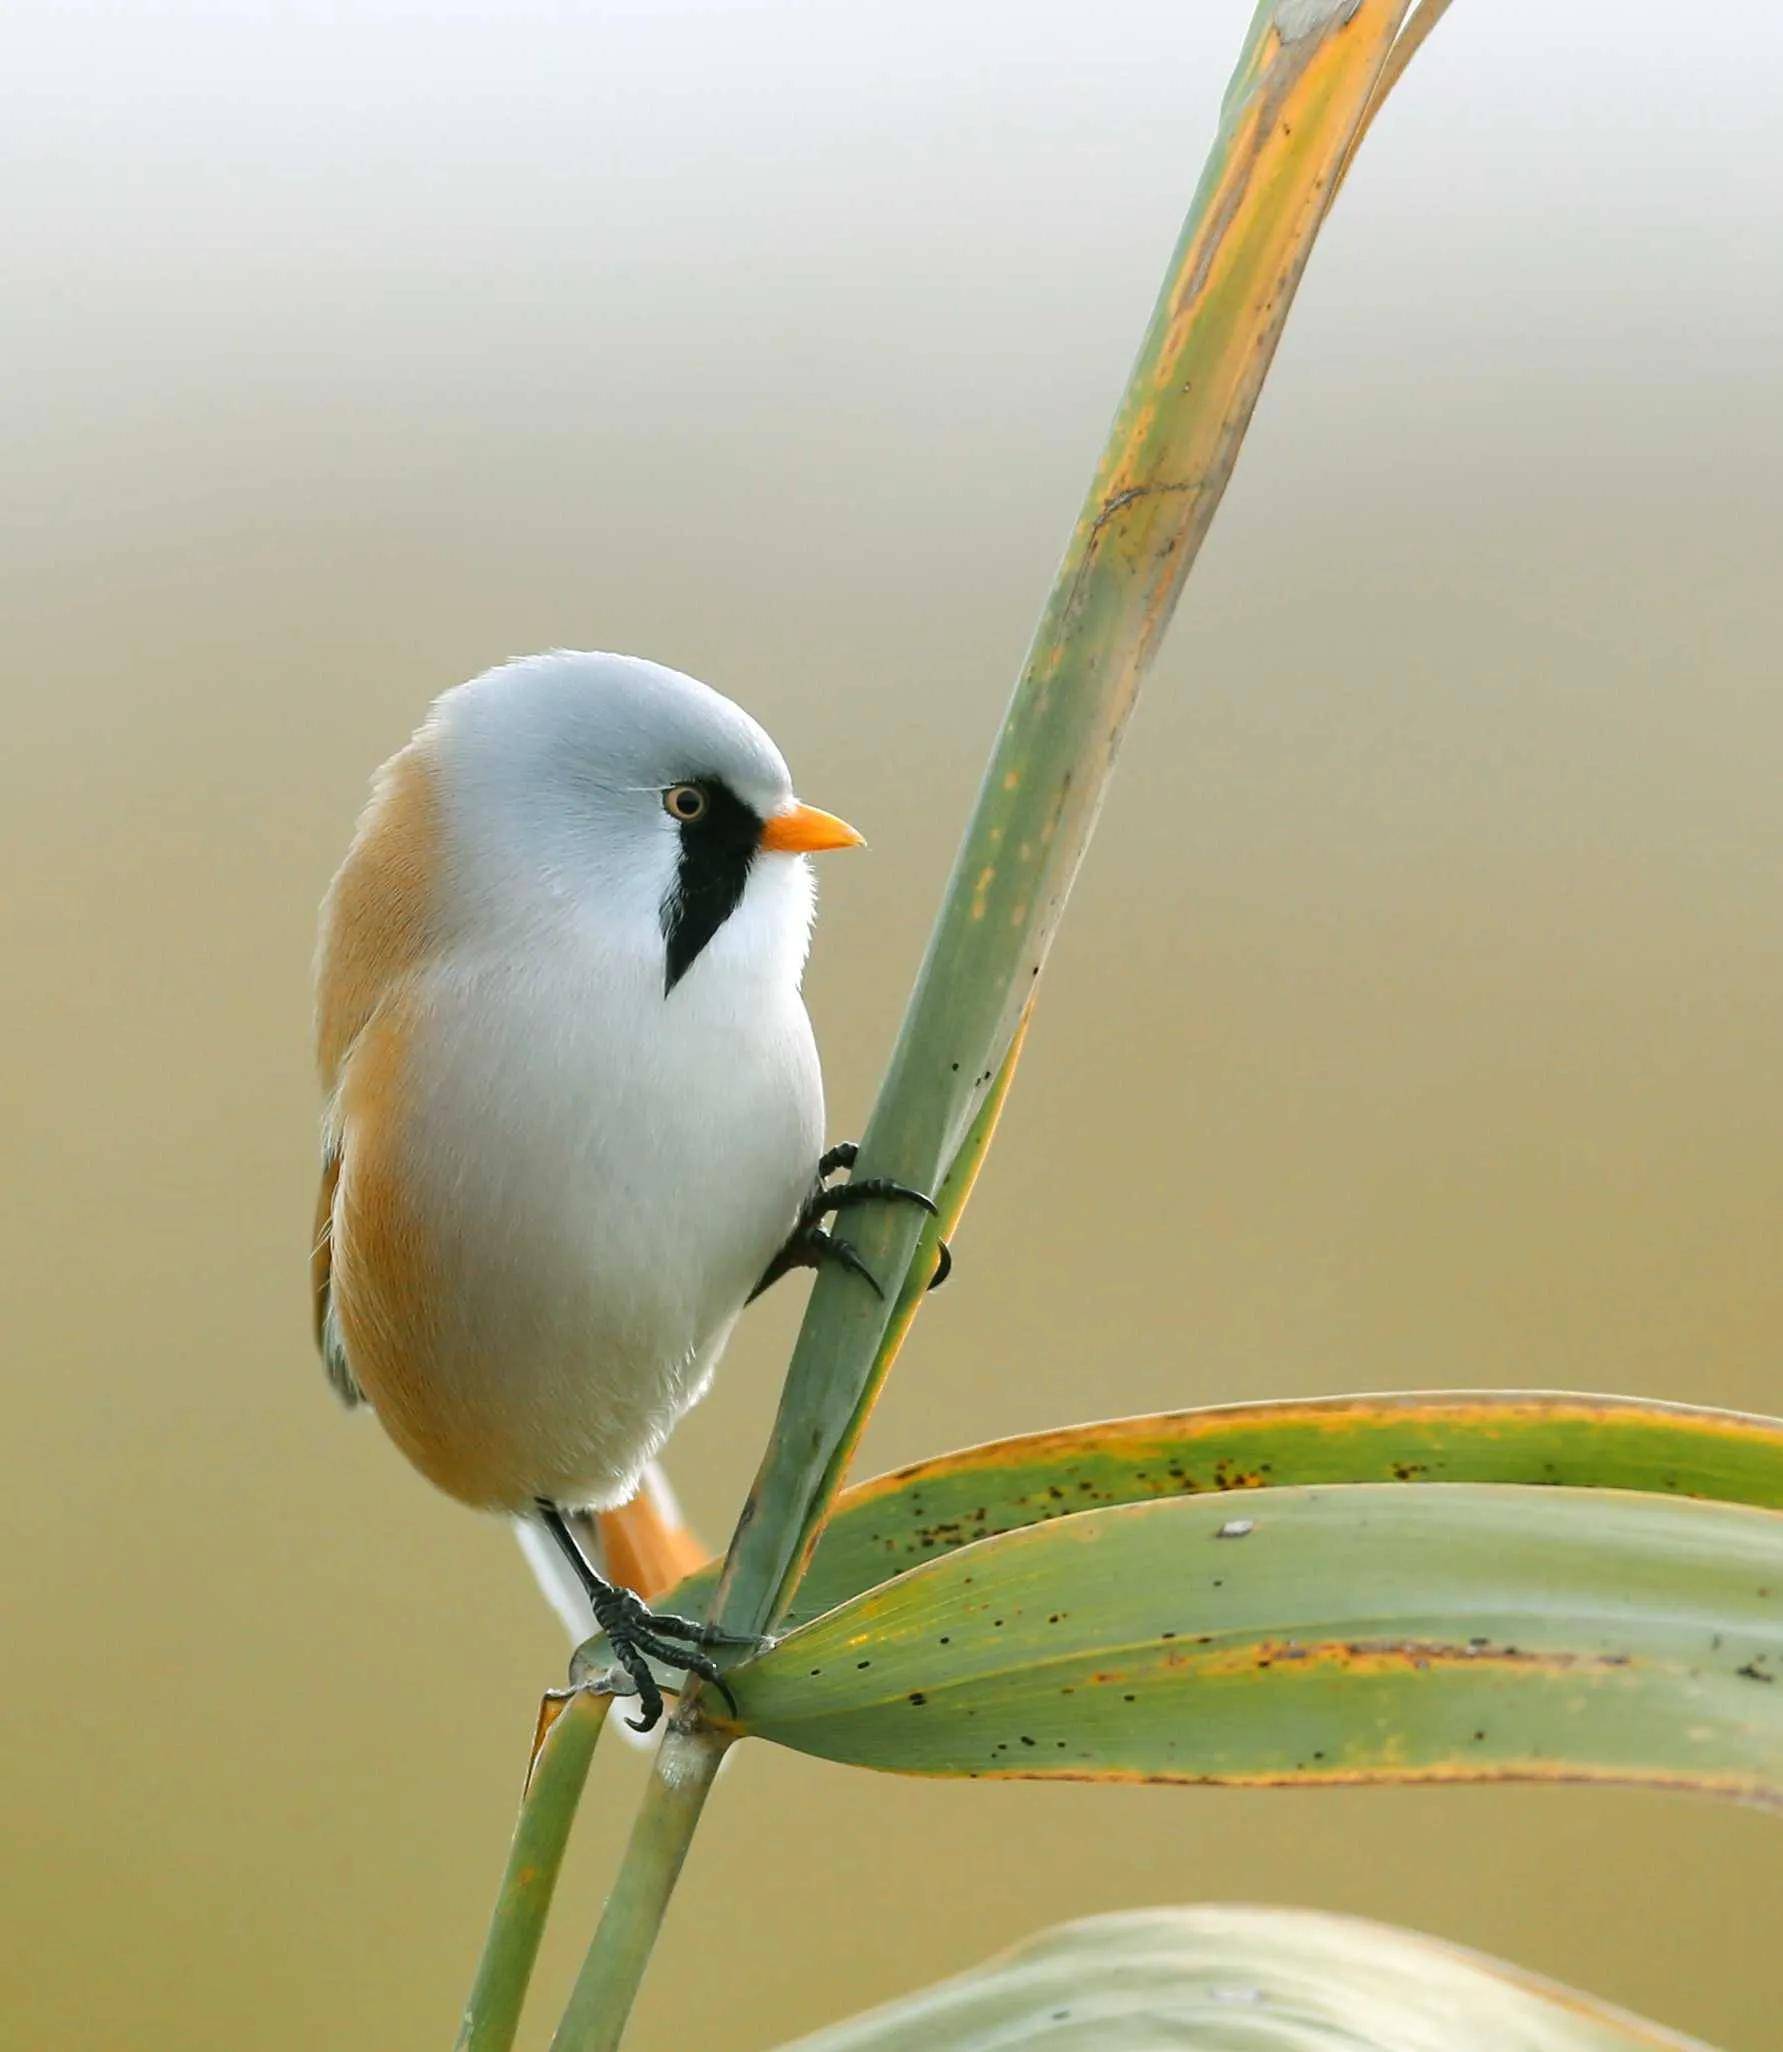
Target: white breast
604 1172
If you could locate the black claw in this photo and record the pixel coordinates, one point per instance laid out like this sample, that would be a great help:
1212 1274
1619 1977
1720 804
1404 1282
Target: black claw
649 1695
743 1642
809 1245
645 1646
846 1195
707 1671
664 1624
829 1248
619 1613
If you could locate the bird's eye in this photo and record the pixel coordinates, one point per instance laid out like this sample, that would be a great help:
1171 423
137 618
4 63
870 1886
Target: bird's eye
684 802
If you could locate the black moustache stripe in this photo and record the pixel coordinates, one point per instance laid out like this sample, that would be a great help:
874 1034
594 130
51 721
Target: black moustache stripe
716 851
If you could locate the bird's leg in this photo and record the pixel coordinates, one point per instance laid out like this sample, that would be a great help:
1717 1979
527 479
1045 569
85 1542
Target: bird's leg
810 1243
638 1634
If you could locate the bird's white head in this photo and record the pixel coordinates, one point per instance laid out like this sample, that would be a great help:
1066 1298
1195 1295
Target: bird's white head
630 803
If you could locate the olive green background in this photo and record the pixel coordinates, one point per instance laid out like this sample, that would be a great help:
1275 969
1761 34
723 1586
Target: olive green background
1416 1022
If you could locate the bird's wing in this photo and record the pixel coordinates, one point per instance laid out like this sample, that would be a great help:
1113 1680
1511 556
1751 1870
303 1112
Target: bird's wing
378 925
327 1328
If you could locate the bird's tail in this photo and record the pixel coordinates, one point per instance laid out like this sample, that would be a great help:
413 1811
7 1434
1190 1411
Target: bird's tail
643 1545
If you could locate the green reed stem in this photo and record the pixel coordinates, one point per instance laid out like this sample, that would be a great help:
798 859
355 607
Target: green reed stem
562 1748
601 2000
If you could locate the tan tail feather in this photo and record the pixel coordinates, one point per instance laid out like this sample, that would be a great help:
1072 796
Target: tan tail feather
644 1545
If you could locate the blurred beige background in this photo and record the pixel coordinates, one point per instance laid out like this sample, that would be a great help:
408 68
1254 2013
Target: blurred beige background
1417 1021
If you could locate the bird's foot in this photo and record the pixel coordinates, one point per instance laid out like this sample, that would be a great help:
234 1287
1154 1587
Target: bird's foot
810 1243
639 1635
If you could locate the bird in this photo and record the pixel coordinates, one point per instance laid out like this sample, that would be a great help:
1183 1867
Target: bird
573 1108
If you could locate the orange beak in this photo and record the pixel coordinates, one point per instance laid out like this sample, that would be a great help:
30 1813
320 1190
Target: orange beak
806 831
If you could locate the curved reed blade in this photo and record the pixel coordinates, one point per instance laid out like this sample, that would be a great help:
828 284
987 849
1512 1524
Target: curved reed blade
1304 78
892 1522
1366 1633
1220 1978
